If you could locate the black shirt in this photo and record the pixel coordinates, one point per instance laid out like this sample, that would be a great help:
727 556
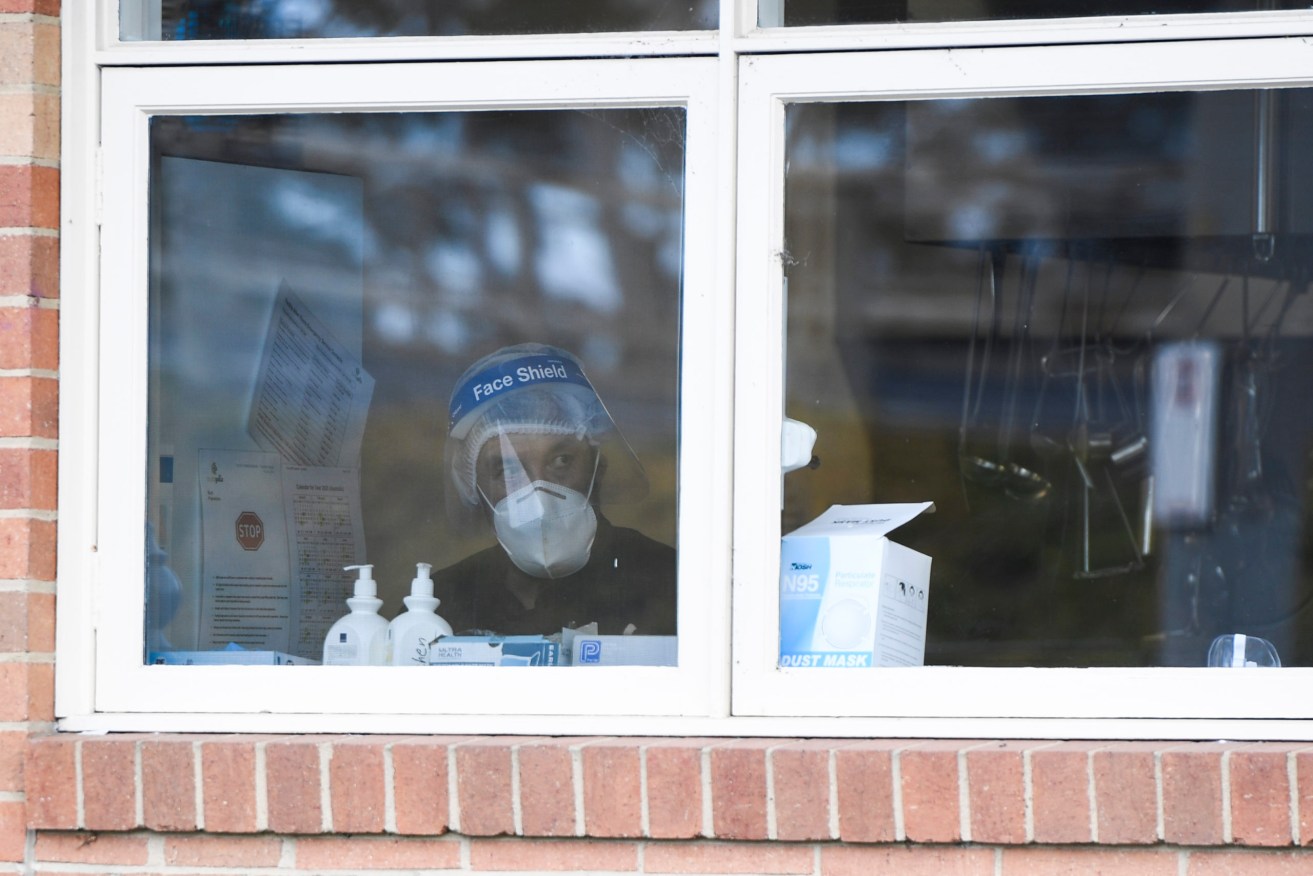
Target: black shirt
628 579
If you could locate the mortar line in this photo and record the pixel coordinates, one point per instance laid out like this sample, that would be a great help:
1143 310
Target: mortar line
325 750
389 792
197 780
261 789
1226 797
896 776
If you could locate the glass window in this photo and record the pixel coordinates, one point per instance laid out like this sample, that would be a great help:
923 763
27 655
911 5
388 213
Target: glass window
821 12
1079 326
308 19
448 338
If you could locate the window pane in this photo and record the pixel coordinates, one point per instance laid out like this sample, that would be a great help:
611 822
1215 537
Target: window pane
805 12
302 19
1080 326
403 338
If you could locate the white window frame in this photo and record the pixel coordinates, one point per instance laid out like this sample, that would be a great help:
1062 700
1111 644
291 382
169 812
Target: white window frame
129 98
767 85
730 413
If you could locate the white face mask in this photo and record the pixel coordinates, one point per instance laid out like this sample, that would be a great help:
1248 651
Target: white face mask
546 529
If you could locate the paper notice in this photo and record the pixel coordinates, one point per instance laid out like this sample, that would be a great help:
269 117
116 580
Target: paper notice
245 571
323 515
312 394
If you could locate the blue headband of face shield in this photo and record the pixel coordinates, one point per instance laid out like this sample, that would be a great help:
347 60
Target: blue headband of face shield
514 374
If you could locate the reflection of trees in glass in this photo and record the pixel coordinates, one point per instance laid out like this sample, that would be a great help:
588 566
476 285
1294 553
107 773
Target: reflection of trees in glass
805 12
482 229
291 19
1055 244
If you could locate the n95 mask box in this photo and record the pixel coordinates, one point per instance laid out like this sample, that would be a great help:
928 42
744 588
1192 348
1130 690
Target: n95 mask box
850 597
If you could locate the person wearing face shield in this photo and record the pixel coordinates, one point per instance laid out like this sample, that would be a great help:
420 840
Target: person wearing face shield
533 454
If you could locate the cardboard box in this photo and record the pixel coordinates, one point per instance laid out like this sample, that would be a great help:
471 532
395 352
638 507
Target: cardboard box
594 650
850 597
494 651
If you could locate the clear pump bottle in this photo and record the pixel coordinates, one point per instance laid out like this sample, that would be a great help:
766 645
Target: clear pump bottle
360 638
412 632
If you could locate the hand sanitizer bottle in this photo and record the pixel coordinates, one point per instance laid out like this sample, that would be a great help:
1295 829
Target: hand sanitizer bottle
360 638
412 632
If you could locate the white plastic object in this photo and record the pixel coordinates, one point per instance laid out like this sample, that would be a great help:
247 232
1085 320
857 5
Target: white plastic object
359 638
1183 438
412 632
1238 651
797 440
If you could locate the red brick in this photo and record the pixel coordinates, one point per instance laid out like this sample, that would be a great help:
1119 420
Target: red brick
800 780
29 53
1260 794
228 784
29 406
553 855
293 787
40 7
547 805
13 831
420 786
168 784
738 788
613 789
930 789
1060 792
50 773
1192 794
29 196
27 549
1126 793
32 129
718 857
29 337
218 850
483 787
41 691
13 749
861 860
26 622
996 791
1304 795
361 853
1248 862
29 265
674 788
356 786
83 847
109 784
864 776
1038 861
23 687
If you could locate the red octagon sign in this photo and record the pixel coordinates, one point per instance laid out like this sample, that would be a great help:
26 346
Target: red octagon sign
250 531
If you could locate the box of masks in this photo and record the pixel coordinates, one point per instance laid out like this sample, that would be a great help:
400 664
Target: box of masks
850 597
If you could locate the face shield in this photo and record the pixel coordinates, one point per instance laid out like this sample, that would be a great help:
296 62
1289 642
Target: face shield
528 415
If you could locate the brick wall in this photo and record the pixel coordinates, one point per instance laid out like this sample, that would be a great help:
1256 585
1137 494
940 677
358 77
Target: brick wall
170 804
29 320
149 803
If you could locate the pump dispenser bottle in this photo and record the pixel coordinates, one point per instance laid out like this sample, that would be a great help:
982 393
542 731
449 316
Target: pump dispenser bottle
412 632
360 638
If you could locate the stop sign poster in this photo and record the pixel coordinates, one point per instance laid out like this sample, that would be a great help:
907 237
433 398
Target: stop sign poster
246 570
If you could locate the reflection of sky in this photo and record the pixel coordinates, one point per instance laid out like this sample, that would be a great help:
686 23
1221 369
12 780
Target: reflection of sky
304 208
573 260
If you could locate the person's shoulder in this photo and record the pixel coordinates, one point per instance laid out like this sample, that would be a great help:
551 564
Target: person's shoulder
476 567
628 540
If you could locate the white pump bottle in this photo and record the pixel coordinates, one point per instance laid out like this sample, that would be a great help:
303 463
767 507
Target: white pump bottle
360 638
412 632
